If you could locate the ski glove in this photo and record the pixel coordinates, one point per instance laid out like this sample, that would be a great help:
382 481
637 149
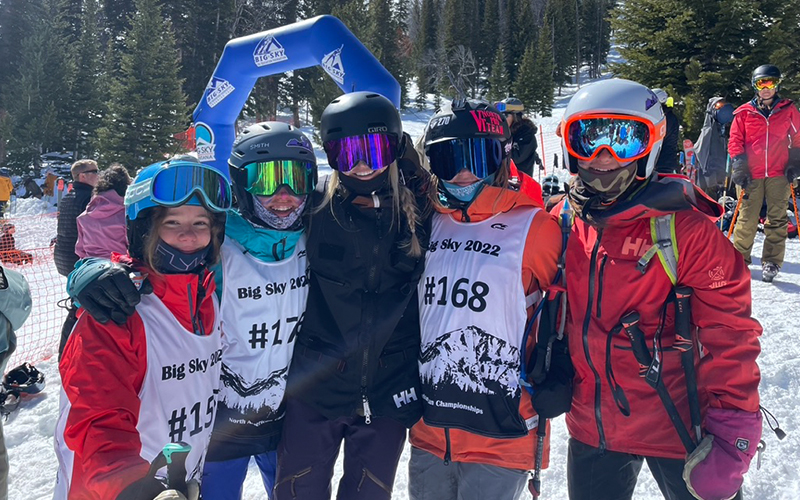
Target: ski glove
552 396
741 171
793 165
150 488
105 289
714 470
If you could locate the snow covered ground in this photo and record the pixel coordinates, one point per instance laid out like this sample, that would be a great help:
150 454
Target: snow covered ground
29 431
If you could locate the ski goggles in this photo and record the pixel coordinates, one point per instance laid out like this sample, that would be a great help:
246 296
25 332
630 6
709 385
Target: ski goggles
481 156
627 138
375 150
176 184
766 83
264 178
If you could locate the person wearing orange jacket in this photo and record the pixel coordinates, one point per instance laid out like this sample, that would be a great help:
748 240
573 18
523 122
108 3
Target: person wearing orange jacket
643 390
764 145
493 252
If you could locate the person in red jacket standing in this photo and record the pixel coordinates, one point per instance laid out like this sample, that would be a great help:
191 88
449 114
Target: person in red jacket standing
641 389
762 133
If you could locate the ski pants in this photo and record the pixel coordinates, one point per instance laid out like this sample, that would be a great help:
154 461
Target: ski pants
776 191
430 479
310 445
224 480
612 475
3 465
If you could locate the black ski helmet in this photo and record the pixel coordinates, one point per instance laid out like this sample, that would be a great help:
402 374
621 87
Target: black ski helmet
765 71
551 185
266 141
468 119
360 113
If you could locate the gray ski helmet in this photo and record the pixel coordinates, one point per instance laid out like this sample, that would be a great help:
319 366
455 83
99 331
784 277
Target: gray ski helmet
360 113
265 141
765 71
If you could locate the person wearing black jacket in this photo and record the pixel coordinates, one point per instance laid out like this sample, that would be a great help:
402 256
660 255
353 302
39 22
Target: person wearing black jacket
354 375
523 135
667 162
84 175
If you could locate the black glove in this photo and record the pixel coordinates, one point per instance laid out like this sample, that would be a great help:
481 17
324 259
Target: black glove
793 165
553 395
146 488
741 171
111 294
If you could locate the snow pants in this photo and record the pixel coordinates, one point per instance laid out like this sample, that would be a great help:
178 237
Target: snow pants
310 445
224 480
612 475
430 479
776 191
3 466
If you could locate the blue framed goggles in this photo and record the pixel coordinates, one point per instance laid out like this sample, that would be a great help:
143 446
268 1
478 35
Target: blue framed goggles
481 156
265 178
375 150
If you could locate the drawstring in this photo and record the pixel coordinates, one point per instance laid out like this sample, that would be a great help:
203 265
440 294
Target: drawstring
194 308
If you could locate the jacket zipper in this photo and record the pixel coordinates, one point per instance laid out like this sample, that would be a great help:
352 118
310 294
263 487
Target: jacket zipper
586 320
446 446
600 285
367 324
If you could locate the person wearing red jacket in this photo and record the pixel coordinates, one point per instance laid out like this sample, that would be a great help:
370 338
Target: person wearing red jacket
493 252
633 400
130 389
764 147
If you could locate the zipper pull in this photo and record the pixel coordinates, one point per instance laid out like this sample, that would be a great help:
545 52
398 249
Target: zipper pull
759 450
367 412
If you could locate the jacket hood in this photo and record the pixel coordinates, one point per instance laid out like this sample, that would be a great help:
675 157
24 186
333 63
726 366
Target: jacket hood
661 195
104 205
752 106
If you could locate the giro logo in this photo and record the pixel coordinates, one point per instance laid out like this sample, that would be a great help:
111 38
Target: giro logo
498 225
205 142
377 130
332 64
405 397
269 51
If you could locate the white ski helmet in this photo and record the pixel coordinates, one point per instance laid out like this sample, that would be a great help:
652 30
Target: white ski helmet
617 97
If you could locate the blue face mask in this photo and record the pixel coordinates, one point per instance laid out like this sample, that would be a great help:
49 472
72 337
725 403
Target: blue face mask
466 193
170 260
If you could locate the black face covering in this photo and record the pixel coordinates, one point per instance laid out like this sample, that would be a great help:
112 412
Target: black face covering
365 188
170 260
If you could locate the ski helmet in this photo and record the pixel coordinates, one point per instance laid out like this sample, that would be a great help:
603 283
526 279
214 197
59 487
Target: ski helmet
25 378
180 181
510 105
616 97
551 185
765 71
469 134
360 114
282 149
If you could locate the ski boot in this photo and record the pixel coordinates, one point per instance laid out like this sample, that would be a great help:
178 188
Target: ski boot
768 272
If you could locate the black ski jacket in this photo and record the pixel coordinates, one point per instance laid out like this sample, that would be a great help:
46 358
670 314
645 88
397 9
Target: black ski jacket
668 157
523 148
71 206
357 349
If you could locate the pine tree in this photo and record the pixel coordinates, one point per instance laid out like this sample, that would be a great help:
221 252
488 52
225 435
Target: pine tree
560 20
147 106
499 80
543 69
425 43
86 103
525 84
489 36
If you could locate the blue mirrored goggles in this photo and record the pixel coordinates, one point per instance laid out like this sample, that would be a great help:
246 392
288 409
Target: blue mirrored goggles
375 150
177 184
481 156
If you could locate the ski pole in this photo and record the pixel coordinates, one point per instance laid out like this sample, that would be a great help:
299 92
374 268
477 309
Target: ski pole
794 202
735 213
684 343
652 374
535 486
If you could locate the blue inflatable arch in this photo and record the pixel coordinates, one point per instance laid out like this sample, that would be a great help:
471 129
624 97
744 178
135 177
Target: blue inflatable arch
322 40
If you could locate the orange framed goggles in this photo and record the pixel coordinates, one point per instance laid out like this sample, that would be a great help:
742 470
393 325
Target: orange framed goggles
627 138
766 83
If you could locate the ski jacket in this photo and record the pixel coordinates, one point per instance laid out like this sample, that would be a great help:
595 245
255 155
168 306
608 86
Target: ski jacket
101 227
6 188
71 206
765 140
128 390
668 157
604 285
356 353
523 147
263 285
540 252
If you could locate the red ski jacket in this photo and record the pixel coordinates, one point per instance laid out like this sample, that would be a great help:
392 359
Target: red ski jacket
765 141
604 285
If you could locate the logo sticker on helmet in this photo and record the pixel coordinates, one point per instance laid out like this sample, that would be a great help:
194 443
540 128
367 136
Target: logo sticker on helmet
377 130
332 64
488 122
302 143
220 89
205 142
651 101
269 51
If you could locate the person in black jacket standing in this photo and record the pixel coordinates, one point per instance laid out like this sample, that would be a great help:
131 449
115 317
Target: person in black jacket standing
354 375
667 162
523 135
84 176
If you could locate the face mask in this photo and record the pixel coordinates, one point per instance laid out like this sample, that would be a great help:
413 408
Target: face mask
170 260
609 185
466 193
275 222
356 186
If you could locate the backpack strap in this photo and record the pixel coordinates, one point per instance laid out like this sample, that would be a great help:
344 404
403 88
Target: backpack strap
662 231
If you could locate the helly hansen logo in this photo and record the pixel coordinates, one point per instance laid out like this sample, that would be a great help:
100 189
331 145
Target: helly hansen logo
635 247
405 397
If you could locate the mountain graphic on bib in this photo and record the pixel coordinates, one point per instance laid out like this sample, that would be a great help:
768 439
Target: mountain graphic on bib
263 393
473 360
